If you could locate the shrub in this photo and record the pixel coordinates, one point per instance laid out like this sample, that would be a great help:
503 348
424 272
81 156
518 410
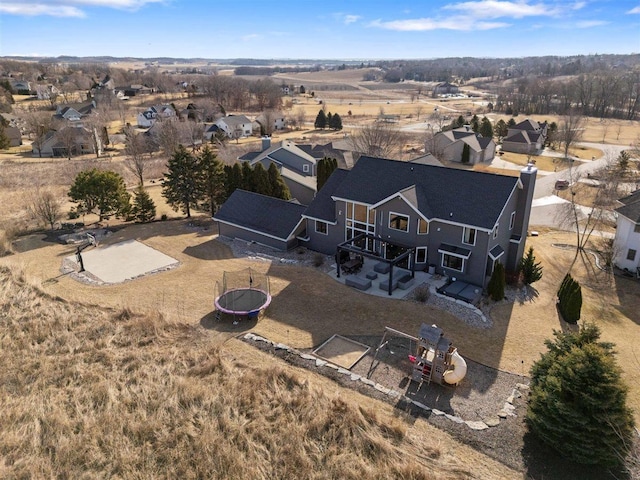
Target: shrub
570 299
422 293
578 401
531 271
497 283
163 217
318 260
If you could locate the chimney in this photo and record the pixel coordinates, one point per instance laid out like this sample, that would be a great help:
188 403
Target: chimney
266 143
525 198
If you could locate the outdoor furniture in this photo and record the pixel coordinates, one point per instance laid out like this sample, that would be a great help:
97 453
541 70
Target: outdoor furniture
354 265
405 281
382 267
358 282
384 284
371 275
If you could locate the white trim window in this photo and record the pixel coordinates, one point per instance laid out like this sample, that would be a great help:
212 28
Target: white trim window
512 220
421 255
636 228
469 236
305 168
398 221
495 231
631 254
453 262
322 227
423 226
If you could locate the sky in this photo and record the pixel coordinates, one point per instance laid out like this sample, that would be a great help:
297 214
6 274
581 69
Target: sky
326 29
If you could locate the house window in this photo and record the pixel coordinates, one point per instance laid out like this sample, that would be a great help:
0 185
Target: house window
360 219
305 168
421 255
512 221
495 231
397 221
321 227
423 226
454 263
631 254
469 236
637 228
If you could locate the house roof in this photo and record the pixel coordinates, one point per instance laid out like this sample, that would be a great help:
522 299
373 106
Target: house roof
323 207
518 137
461 196
271 216
631 207
527 124
233 120
278 153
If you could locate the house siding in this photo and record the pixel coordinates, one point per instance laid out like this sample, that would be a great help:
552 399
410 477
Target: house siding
231 231
300 192
625 239
292 161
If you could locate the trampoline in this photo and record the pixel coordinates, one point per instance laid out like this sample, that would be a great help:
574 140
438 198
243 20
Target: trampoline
243 293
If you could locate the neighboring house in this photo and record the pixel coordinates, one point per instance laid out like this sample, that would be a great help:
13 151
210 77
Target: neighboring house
46 92
83 142
21 86
277 121
15 138
445 88
74 112
526 137
265 220
297 168
210 131
147 118
450 145
191 112
626 245
133 91
461 222
235 126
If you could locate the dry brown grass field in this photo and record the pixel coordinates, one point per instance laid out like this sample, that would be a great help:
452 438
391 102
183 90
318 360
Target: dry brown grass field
91 392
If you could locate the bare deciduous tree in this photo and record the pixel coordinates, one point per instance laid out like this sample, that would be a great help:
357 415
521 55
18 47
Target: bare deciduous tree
301 117
45 207
136 146
571 130
431 144
378 140
38 124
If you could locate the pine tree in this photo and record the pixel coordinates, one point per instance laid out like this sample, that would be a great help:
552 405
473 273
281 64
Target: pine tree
486 129
321 120
247 177
329 118
180 185
531 271
501 128
336 122
233 180
5 142
326 166
497 283
459 122
475 123
261 181
570 299
578 401
279 189
144 209
213 180
466 153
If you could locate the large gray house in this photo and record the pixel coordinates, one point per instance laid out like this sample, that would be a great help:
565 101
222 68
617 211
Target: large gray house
458 221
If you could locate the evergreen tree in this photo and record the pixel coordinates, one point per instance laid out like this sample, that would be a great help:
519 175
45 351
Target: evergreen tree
325 166
511 123
459 122
180 185
321 120
501 128
531 271
213 180
101 192
497 283
261 181
570 299
233 174
5 142
486 129
247 177
329 117
466 153
279 189
336 122
578 401
475 123
144 209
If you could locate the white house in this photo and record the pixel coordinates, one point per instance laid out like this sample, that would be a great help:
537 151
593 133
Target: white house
627 240
235 126
152 114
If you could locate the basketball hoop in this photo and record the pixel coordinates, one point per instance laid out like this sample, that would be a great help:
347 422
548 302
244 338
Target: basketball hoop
92 239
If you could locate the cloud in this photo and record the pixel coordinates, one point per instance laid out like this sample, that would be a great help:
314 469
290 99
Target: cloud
499 9
251 36
590 23
69 8
635 10
459 23
346 18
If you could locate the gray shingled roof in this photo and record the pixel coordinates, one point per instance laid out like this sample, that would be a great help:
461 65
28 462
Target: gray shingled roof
631 207
473 198
268 215
323 207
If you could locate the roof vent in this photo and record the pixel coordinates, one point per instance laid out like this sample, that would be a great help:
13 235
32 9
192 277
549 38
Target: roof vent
451 214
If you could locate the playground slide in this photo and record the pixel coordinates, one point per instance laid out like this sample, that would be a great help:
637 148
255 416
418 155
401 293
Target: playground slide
459 369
